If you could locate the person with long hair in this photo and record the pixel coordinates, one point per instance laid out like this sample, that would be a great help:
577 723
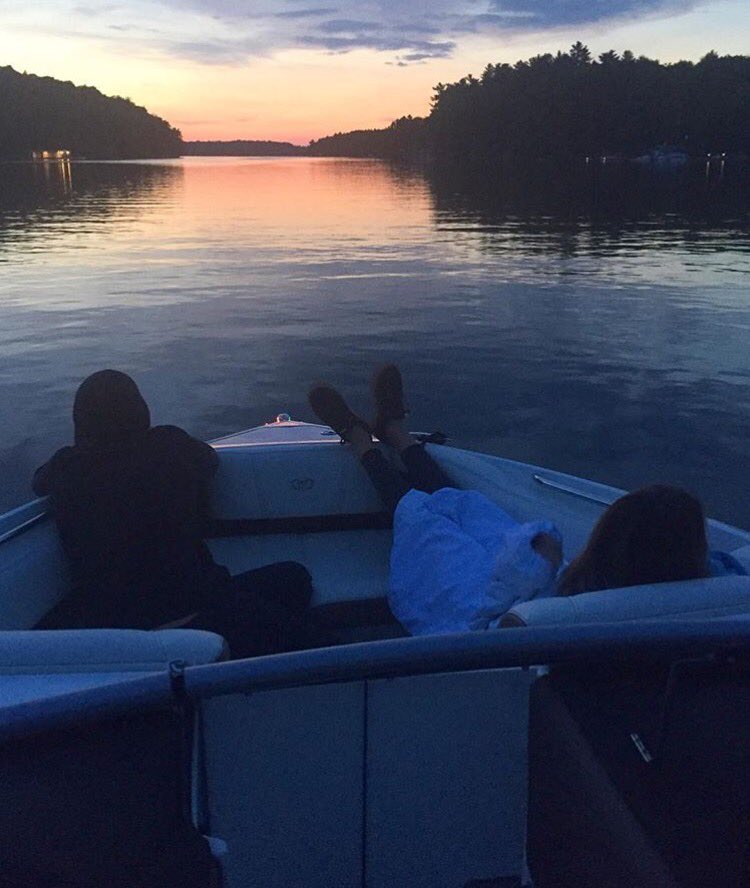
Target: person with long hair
654 535
131 503
459 561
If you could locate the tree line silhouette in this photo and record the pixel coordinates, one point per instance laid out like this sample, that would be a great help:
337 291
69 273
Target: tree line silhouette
406 137
44 114
243 148
571 104
549 106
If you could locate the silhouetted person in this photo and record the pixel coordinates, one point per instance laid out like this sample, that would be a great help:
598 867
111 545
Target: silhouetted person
131 505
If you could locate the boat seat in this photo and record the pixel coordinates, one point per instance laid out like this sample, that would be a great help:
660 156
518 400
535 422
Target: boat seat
345 565
36 664
710 598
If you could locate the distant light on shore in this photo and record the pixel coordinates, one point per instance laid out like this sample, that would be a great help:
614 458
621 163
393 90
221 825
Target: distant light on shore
60 154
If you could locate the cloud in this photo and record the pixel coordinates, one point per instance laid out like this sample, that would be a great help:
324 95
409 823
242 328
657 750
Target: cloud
306 13
446 50
350 25
230 32
557 13
382 42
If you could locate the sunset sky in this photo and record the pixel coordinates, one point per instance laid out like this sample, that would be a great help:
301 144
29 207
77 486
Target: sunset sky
299 69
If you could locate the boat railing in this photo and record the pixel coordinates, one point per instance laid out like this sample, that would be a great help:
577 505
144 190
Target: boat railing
581 494
21 528
508 648
23 518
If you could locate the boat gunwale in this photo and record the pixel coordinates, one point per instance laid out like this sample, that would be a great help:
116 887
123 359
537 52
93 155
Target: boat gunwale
24 526
382 660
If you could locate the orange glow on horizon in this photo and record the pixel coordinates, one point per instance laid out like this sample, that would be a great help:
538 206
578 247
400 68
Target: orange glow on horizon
299 96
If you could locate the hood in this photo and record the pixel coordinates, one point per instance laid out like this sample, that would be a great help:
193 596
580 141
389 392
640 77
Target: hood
108 407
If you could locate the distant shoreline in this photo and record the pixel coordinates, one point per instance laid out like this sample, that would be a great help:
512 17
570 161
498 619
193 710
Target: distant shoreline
243 148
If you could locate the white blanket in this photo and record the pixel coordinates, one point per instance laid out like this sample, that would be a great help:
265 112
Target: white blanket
459 562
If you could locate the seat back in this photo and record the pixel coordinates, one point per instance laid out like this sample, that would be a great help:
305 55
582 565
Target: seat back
290 481
56 651
690 600
38 664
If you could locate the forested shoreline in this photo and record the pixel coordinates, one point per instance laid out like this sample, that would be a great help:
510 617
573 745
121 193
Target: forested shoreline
44 114
547 107
571 105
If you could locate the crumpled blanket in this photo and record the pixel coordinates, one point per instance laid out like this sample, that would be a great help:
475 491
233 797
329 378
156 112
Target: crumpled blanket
459 562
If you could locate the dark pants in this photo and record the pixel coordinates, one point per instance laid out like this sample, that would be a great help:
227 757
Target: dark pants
422 473
265 611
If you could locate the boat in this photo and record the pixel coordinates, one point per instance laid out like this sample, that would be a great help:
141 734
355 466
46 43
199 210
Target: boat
664 157
522 756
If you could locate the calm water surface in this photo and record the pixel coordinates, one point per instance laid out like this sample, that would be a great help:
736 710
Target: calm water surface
600 329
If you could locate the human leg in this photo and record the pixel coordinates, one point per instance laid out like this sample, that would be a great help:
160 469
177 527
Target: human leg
388 394
264 611
330 407
389 483
285 585
423 472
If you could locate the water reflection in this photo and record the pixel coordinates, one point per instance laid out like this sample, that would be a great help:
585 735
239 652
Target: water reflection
596 212
592 326
44 205
57 174
622 351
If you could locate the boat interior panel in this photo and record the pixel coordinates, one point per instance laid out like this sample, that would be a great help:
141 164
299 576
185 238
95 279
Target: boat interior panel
291 481
33 572
446 778
418 780
528 492
284 785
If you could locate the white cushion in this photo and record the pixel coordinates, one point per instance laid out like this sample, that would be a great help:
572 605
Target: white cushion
693 599
47 652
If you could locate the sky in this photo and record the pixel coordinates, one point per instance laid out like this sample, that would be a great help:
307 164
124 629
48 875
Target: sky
294 70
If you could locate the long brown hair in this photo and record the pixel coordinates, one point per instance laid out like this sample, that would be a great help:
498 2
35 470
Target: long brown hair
653 535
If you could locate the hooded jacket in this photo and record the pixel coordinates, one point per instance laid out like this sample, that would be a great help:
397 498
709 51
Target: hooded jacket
131 504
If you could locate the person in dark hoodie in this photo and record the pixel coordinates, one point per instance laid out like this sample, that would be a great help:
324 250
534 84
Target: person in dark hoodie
131 502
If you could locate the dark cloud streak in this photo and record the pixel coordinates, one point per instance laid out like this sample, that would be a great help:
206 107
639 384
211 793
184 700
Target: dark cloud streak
412 30
306 13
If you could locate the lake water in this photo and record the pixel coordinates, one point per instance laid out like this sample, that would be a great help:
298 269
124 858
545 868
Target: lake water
597 327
